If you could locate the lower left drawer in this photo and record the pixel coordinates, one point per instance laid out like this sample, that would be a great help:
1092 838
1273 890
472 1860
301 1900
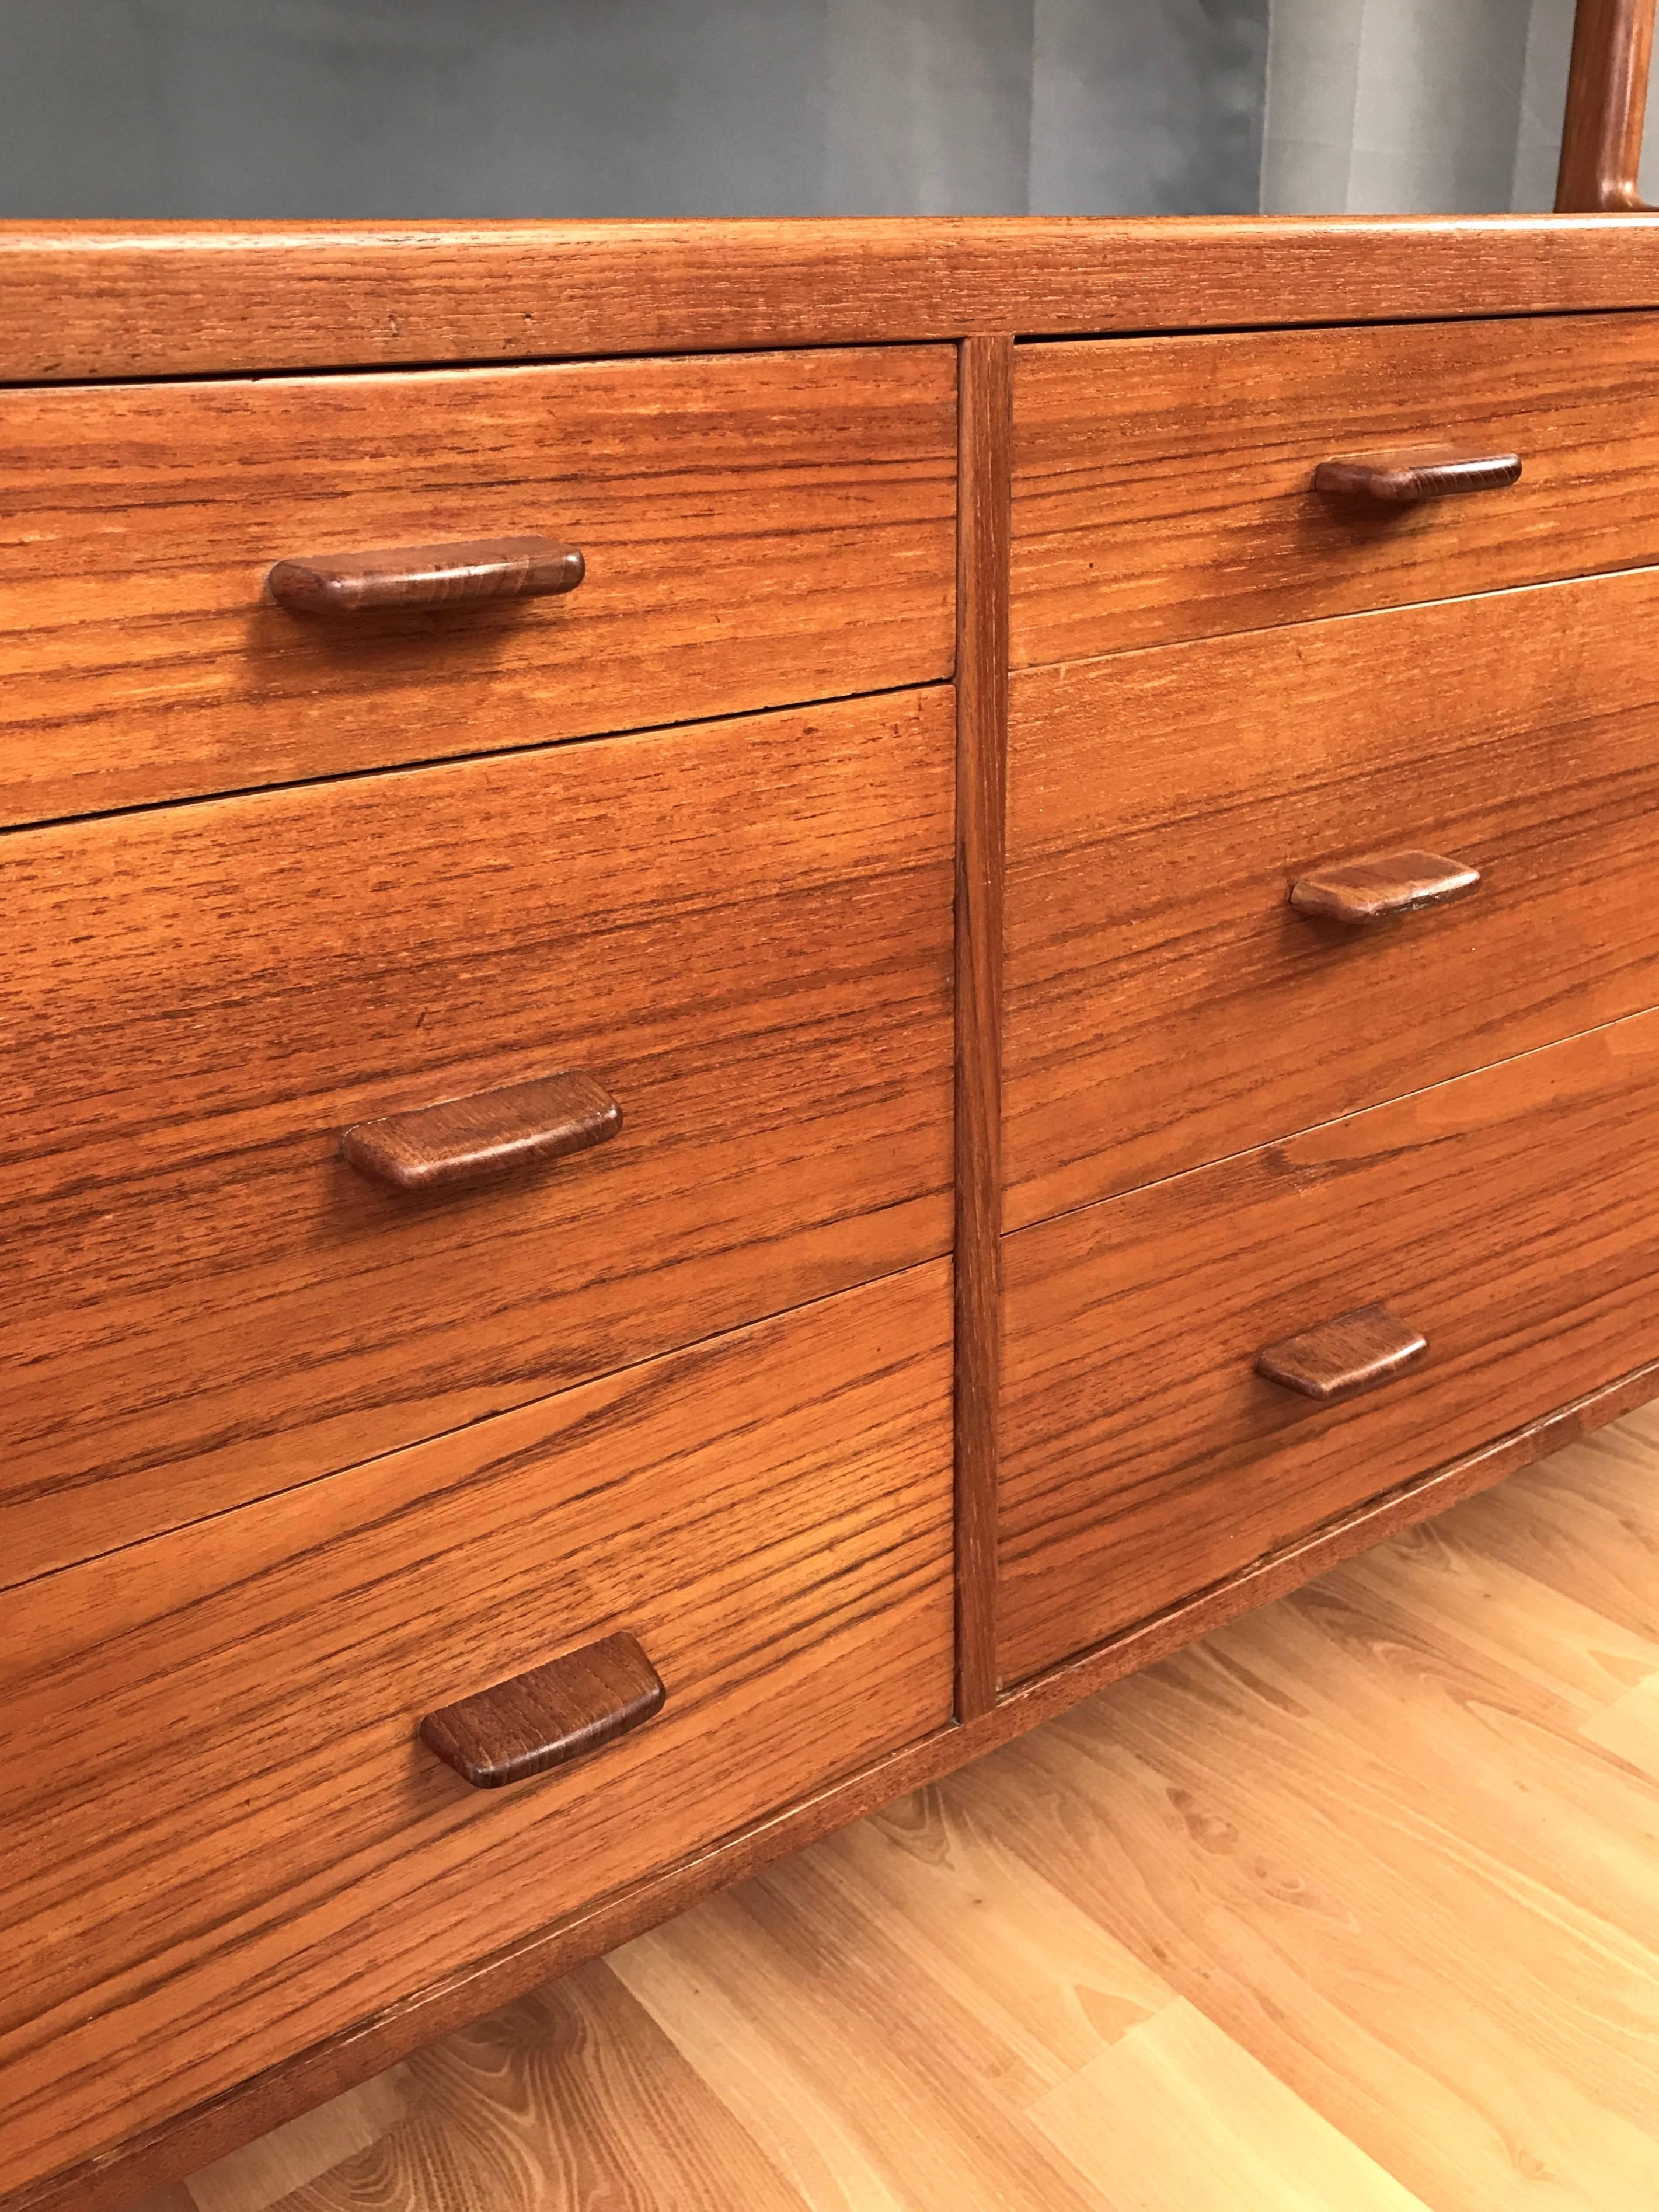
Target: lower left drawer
224 1838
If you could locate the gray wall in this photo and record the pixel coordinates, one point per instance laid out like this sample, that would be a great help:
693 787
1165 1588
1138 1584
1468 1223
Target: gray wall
1418 107
433 108
430 108
1387 107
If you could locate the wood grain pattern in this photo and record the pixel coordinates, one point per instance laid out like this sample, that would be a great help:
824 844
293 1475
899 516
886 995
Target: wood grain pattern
390 1525
572 2097
1629 1727
568 1708
985 380
426 576
90 299
1344 1357
461 1141
1165 1006
905 2128
1182 2103
234 1708
1122 539
1604 1509
756 532
1348 1909
212 2130
1606 108
1361 893
302 2150
1513 1216
742 930
1408 479
1364 1833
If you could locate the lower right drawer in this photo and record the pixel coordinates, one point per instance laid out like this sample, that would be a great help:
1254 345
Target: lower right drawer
1511 1217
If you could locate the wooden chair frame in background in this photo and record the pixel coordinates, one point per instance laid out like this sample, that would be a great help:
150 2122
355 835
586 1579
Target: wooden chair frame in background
1606 108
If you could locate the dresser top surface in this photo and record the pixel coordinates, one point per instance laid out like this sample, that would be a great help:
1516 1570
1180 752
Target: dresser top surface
90 301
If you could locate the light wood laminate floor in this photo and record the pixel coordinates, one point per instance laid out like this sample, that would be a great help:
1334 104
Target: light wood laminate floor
1353 1908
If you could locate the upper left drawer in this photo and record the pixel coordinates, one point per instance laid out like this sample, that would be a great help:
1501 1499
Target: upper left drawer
757 531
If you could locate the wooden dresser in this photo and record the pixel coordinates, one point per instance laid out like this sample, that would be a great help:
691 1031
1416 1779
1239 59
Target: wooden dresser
770 992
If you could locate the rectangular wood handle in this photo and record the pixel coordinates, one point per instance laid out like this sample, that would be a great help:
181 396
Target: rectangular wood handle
1359 893
548 1716
467 1140
425 575
1340 1358
1407 479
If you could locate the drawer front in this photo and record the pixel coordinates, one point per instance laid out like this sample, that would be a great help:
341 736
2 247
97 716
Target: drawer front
758 529
1163 487
741 933
1166 1003
222 1841
1511 1217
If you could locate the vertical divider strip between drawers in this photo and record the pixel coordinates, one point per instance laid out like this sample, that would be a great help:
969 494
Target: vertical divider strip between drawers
984 495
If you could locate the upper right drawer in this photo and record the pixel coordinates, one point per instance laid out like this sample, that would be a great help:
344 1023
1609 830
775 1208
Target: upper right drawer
1163 487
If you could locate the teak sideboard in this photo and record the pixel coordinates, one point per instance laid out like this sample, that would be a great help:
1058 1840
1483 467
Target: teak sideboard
771 990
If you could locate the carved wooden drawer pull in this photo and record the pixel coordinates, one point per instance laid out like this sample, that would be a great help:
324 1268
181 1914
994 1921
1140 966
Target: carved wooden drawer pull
1339 1359
425 575
464 1141
1361 892
548 1716
1407 479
